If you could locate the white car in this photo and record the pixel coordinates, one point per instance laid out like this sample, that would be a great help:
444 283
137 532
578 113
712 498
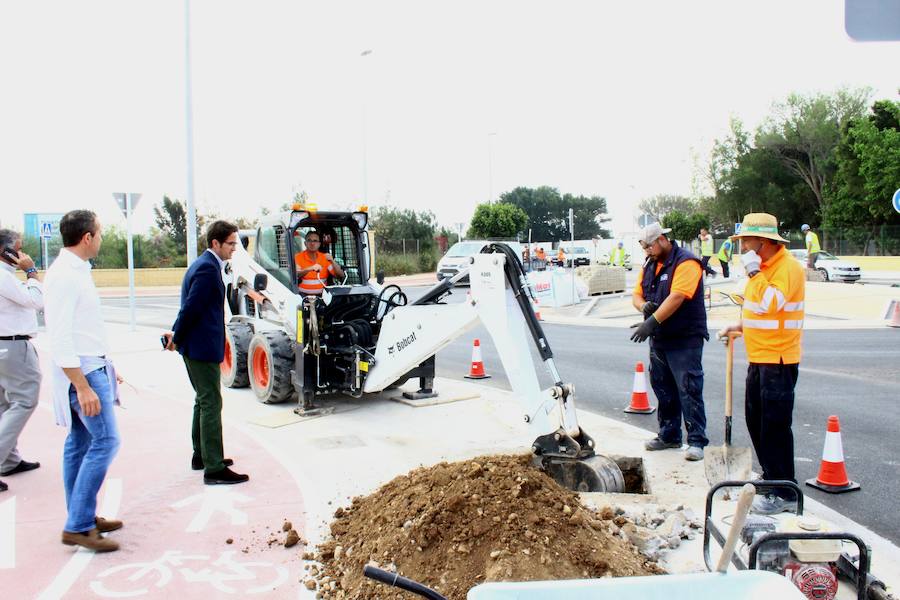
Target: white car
459 254
577 256
831 267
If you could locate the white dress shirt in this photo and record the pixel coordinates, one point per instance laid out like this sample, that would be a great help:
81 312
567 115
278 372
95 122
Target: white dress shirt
74 326
19 303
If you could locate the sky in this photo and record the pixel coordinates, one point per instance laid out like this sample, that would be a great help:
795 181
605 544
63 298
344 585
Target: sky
456 103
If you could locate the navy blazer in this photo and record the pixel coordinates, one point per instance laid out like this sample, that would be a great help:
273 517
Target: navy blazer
199 329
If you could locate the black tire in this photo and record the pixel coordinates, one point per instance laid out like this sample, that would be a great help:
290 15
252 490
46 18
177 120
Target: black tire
824 273
270 359
234 367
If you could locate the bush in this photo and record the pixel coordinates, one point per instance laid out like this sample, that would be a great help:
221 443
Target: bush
406 264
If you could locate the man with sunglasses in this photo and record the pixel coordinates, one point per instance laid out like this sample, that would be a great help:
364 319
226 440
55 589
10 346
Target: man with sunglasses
314 266
669 293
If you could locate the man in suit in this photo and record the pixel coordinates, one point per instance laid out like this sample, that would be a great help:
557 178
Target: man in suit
199 335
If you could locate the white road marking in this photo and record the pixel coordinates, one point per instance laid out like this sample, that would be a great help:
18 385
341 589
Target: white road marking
109 507
8 539
212 500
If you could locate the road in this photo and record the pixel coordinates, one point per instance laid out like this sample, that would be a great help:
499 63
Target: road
854 374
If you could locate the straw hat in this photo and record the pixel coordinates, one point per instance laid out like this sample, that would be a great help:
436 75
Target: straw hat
761 225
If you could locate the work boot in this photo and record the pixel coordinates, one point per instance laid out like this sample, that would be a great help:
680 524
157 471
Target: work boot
3 487
658 444
92 540
770 504
197 462
224 477
23 466
107 525
693 453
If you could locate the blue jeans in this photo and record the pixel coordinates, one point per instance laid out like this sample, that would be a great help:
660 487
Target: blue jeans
677 380
90 447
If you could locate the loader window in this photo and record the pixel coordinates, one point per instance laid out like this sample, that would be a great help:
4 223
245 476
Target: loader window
338 241
272 254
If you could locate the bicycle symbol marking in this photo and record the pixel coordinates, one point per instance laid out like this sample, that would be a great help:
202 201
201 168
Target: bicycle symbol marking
225 574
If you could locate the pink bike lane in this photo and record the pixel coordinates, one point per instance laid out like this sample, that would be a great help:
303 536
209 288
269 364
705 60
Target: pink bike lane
180 536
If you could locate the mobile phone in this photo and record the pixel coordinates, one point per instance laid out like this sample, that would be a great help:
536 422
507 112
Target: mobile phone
164 341
10 254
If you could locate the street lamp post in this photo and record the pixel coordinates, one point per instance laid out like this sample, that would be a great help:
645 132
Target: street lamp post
490 168
365 157
189 125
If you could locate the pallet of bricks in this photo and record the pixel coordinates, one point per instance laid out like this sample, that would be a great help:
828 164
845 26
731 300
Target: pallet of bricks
602 279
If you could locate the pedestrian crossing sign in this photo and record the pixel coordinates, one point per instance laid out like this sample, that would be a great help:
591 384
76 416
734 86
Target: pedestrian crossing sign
737 228
46 230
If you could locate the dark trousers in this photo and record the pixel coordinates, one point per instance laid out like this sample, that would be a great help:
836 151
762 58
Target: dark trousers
811 260
206 432
677 380
769 405
704 262
725 270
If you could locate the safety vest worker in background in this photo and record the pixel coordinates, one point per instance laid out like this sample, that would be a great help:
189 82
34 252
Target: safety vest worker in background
706 251
772 326
618 256
561 257
812 246
724 256
314 267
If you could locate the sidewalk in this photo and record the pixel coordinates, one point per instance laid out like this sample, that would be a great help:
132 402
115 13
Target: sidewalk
201 542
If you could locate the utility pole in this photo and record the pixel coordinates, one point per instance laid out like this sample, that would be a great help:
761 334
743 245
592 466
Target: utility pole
189 125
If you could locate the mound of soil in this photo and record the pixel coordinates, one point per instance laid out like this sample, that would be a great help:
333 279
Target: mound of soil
453 526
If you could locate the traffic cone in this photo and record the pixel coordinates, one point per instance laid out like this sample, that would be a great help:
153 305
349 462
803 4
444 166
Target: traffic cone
536 305
640 403
476 371
895 314
832 476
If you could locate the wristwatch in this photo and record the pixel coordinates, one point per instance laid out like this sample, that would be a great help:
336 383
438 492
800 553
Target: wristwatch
30 271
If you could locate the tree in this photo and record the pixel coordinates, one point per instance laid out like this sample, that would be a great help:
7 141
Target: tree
171 219
548 213
805 131
662 204
501 220
685 227
393 224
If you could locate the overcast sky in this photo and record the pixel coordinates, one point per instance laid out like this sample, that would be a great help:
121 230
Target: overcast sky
597 98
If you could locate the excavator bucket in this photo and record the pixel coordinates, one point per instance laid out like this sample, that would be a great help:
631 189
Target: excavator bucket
593 474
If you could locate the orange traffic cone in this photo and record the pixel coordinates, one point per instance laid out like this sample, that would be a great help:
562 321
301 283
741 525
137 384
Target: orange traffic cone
832 476
536 305
895 314
640 403
477 369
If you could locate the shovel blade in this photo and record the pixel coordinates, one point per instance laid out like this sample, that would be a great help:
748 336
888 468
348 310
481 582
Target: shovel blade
727 463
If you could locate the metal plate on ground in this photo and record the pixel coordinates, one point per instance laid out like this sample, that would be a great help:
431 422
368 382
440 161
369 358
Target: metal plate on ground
289 417
443 397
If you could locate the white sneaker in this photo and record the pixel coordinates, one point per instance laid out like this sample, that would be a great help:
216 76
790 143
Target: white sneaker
693 453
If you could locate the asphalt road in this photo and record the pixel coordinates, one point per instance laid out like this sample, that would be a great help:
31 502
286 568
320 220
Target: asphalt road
854 374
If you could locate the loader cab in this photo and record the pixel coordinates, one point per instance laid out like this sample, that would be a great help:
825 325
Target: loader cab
343 236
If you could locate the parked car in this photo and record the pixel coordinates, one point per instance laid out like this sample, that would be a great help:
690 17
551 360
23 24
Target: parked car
830 266
458 255
577 256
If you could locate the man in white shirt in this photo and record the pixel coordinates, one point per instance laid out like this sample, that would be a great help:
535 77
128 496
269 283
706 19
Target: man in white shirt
85 382
20 373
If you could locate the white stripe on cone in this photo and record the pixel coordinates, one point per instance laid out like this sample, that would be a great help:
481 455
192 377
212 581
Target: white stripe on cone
476 354
640 383
834 450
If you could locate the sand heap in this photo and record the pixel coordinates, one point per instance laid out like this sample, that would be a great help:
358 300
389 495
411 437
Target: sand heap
453 526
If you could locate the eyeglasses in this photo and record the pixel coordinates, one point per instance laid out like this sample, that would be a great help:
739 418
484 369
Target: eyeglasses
229 243
313 241
647 246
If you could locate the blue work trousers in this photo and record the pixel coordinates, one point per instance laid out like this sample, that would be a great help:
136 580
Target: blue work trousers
676 376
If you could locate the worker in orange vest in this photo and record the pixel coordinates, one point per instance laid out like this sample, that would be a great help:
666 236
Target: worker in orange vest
772 326
314 267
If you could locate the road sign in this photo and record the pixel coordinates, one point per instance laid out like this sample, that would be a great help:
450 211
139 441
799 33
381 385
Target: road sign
737 228
46 230
645 220
121 201
897 201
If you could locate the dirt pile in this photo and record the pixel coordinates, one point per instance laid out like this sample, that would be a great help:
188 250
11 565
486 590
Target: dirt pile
453 526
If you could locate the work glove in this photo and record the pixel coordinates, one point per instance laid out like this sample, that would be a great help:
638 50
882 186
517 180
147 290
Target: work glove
751 261
645 330
649 308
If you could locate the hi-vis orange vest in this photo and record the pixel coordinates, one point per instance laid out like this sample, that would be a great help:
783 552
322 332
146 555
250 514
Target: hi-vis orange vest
772 313
310 284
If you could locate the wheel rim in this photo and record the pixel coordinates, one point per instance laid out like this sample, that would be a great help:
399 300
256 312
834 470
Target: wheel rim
226 363
260 367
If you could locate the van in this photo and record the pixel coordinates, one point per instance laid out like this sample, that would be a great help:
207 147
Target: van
457 257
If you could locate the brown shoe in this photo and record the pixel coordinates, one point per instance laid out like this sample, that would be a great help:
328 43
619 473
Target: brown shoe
107 525
92 540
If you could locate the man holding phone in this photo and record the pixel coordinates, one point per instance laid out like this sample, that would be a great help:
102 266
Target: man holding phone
20 373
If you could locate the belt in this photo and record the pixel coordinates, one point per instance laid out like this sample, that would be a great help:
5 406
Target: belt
15 338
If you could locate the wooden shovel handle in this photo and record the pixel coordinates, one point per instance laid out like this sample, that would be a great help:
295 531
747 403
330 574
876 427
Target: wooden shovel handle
729 373
740 516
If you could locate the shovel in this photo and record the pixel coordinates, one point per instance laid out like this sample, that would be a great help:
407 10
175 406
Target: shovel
728 463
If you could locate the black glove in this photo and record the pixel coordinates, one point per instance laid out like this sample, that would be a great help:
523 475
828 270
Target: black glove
645 330
649 308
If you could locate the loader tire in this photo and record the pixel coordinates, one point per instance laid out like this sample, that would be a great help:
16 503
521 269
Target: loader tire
234 367
270 359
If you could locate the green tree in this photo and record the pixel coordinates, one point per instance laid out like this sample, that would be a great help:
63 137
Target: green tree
685 227
171 219
390 223
501 220
548 213
662 204
804 132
